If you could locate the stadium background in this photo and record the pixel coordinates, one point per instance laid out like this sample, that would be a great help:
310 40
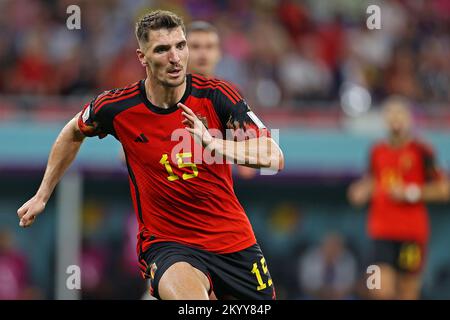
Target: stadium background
309 68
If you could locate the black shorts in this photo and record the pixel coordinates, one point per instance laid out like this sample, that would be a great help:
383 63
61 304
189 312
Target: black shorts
404 256
240 275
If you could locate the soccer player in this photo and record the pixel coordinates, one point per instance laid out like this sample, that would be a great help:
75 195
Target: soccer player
194 236
204 48
402 177
204 55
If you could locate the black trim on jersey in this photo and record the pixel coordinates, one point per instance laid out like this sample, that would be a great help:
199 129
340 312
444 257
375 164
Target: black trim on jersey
136 189
105 116
156 109
429 164
229 113
142 238
217 84
102 102
221 103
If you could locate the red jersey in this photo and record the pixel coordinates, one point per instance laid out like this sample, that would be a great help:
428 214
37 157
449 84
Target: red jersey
412 163
175 198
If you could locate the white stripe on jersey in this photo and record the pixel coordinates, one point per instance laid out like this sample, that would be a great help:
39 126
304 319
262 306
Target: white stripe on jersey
256 120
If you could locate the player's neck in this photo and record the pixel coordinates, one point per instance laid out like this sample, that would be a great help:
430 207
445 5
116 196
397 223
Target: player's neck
398 141
162 96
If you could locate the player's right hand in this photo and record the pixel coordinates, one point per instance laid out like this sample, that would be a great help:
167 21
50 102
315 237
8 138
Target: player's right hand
29 210
358 195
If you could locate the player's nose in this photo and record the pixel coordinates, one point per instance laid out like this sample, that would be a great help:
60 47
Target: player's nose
174 57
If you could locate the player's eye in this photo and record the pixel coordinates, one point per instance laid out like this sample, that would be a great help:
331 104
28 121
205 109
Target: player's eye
181 45
160 49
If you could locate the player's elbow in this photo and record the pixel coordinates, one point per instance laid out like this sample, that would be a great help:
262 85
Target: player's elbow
441 190
280 160
274 159
278 156
445 190
73 129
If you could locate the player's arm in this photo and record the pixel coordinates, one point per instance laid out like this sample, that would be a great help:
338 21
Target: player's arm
360 191
436 189
87 123
61 156
258 152
261 152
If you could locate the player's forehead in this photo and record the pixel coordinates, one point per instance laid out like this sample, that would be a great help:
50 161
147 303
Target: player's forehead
166 36
203 36
397 109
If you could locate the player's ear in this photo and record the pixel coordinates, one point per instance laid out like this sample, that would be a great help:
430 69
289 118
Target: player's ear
141 57
219 54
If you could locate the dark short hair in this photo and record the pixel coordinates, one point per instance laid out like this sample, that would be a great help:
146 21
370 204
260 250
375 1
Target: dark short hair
201 26
156 20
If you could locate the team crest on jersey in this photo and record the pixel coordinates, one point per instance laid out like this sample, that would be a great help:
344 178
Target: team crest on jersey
406 161
153 269
203 119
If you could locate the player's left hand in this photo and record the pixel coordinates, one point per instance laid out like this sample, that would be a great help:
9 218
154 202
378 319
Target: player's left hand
195 126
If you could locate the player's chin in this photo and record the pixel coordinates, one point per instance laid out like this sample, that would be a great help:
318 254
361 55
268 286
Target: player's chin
175 81
204 71
398 132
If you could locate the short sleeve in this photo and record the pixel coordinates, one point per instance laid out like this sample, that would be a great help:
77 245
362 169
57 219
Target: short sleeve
432 171
89 121
371 168
237 118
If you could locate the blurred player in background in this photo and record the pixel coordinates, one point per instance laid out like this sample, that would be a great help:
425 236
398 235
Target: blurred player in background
204 55
204 48
403 175
194 236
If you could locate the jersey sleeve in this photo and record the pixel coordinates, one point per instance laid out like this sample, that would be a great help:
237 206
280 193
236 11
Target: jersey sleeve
91 122
238 120
432 170
371 167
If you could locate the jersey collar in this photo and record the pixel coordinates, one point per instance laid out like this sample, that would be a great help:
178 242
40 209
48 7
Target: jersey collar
171 109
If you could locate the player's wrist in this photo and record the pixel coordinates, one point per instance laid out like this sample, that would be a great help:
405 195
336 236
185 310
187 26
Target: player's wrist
210 144
413 193
42 195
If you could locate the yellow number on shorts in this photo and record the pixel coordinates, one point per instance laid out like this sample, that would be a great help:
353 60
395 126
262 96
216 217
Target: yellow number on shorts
410 257
261 284
180 156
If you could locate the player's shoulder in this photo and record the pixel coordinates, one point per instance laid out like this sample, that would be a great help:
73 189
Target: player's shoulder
210 80
214 89
422 145
116 96
379 145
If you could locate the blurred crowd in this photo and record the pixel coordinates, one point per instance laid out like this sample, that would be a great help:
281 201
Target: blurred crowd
279 52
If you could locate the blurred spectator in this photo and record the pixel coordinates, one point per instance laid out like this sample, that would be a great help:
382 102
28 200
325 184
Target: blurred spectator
95 271
328 271
14 271
302 74
95 254
130 282
400 75
279 53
